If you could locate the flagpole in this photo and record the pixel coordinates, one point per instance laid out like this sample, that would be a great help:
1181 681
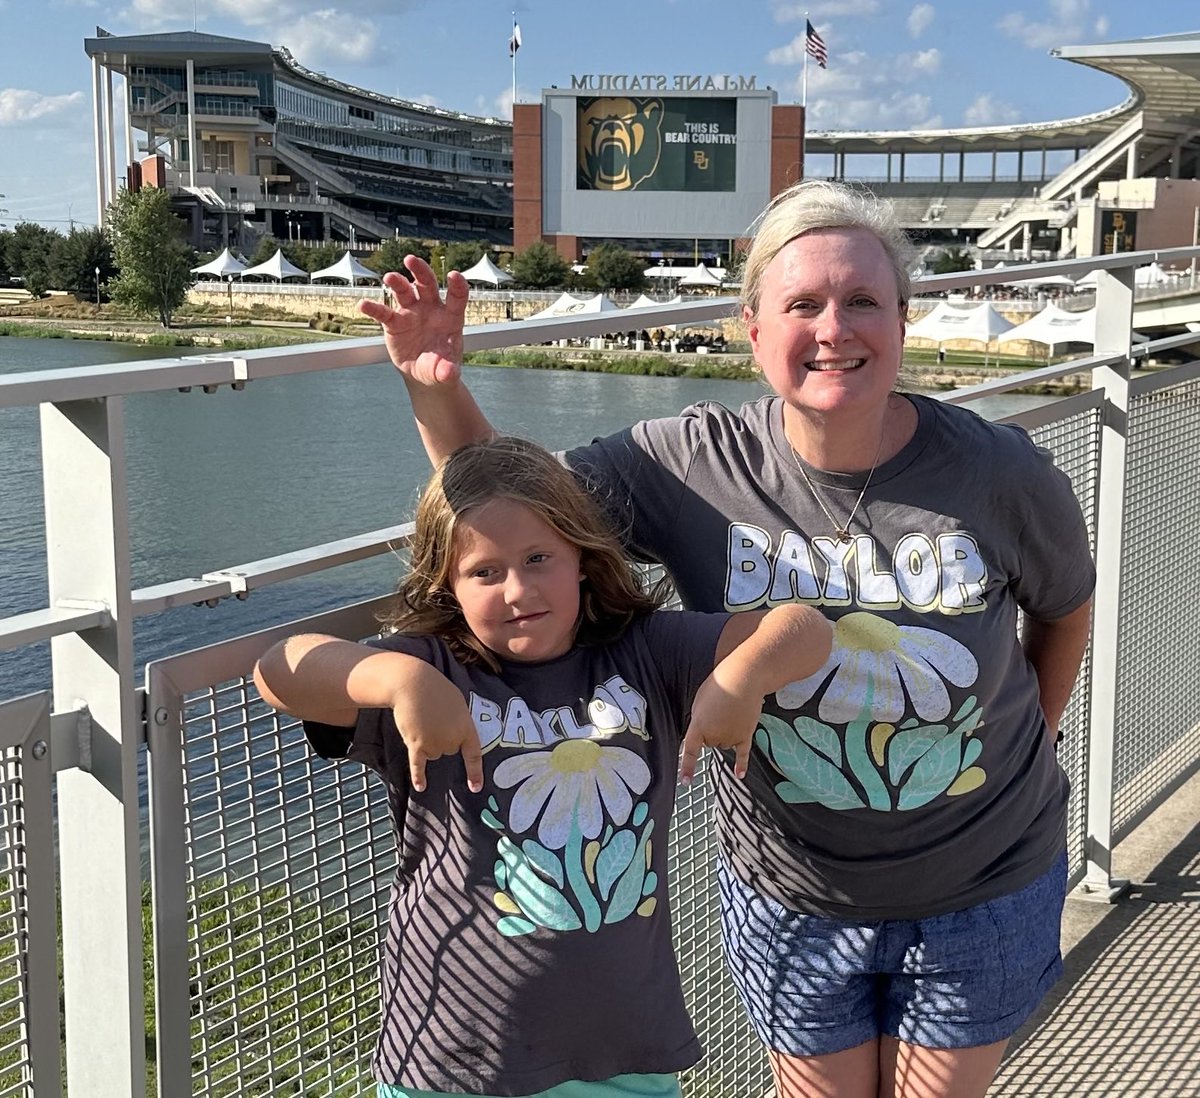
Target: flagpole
804 106
513 51
804 91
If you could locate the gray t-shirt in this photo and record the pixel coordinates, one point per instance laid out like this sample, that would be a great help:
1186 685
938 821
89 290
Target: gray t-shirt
912 775
530 937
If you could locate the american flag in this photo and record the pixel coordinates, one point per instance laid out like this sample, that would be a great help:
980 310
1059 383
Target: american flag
814 45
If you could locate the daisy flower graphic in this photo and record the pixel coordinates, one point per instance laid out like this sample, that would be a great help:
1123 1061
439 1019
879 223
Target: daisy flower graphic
876 661
578 780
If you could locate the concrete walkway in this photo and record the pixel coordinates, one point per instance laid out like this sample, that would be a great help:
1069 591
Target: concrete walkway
1125 1019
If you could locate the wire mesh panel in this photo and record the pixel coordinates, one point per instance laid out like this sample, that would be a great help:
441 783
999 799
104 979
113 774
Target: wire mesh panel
290 859
734 1060
1075 443
29 1023
284 867
1158 717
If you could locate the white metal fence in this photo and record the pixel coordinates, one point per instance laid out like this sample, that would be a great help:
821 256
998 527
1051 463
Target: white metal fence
258 958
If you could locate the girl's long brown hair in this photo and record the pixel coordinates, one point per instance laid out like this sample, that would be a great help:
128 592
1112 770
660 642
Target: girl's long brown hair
612 593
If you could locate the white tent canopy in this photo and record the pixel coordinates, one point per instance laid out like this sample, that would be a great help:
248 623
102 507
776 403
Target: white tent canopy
645 302
1150 275
599 304
348 269
701 276
487 271
225 264
981 323
929 326
1054 325
563 305
277 267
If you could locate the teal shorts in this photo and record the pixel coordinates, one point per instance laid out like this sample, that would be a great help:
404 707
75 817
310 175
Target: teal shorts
619 1086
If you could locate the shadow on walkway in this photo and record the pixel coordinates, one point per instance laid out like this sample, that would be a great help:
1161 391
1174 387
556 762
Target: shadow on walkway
1125 1019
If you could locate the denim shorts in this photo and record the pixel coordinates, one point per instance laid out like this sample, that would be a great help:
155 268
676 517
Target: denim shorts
619 1086
813 986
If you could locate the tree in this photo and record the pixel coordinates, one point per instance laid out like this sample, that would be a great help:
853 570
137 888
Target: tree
320 257
391 253
149 249
462 257
539 266
28 255
74 260
6 272
953 259
614 268
267 247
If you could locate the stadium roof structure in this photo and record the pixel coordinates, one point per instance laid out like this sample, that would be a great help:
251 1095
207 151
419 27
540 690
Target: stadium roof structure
114 51
1162 74
119 52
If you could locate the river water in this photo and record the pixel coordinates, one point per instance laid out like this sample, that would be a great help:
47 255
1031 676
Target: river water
218 480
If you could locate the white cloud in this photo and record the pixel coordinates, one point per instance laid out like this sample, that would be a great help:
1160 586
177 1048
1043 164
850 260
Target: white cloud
861 90
864 92
19 105
791 54
315 32
333 36
896 111
987 110
920 19
1101 28
1067 25
926 62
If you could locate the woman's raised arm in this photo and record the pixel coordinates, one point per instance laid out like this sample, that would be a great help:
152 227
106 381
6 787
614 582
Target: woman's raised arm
424 337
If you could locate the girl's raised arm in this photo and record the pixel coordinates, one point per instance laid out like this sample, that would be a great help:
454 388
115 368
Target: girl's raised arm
424 337
758 652
328 680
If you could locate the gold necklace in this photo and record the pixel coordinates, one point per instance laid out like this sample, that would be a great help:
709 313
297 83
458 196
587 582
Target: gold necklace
840 532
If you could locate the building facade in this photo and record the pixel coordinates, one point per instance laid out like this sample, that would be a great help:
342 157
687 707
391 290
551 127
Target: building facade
252 142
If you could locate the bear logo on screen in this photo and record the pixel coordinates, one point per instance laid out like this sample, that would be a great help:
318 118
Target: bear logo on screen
619 142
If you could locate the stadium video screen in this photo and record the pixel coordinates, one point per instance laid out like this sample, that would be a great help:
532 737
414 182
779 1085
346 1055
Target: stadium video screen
656 143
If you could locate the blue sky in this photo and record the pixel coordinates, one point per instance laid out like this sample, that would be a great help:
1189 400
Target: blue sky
891 65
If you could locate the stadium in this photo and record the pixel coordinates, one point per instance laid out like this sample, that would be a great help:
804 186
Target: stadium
281 149
288 151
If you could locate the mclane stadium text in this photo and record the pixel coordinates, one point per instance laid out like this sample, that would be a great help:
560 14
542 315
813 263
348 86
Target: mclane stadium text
607 81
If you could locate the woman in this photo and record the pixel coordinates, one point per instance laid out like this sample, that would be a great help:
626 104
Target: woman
893 867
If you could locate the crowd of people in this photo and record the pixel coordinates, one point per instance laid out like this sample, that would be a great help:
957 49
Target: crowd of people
891 825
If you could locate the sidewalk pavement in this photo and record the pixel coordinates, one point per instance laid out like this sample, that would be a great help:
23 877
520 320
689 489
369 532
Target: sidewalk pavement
1125 1019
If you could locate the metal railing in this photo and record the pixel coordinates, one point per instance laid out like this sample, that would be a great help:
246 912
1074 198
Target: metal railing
264 906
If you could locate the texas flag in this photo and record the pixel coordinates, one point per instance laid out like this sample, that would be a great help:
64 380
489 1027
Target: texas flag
514 43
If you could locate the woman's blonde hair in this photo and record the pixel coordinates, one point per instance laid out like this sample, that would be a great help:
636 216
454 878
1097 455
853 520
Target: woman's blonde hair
817 204
612 594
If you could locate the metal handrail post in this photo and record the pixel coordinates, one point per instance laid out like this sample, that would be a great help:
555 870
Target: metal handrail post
88 564
1114 327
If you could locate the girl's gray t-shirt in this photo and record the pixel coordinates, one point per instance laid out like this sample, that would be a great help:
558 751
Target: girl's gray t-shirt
529 937
913 774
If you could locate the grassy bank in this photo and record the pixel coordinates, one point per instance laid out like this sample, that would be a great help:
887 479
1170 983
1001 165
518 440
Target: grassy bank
247 338
735 368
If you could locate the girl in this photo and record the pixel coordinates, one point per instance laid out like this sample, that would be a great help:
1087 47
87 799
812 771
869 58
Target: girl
529 946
